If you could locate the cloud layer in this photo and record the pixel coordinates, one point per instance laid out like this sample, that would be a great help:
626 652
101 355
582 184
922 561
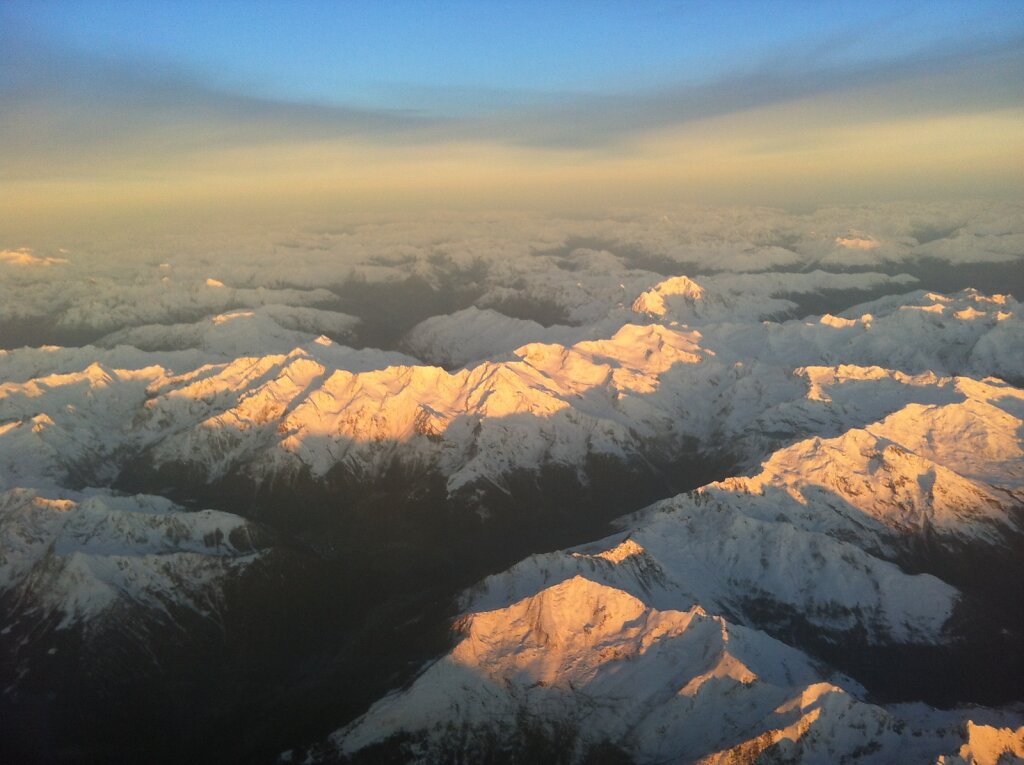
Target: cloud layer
84 132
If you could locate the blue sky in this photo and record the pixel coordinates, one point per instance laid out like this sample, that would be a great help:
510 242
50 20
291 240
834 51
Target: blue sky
444 56
178 102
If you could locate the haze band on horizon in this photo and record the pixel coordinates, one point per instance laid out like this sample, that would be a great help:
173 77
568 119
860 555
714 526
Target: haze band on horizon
148 108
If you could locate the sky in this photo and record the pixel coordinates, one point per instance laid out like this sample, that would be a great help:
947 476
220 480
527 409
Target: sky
118 108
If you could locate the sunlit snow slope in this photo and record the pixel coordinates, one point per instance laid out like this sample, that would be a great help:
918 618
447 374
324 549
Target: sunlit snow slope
247 480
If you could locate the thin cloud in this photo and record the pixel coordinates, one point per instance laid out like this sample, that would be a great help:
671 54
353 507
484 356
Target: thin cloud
67 106
951 78
64 113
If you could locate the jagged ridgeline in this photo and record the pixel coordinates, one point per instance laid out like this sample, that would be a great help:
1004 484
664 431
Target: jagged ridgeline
263 517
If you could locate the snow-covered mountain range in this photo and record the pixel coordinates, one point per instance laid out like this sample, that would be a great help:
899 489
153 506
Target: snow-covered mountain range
583 671
634 643
643 393
816 476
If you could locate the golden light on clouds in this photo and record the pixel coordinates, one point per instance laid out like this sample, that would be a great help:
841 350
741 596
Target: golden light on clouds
720 159
833 120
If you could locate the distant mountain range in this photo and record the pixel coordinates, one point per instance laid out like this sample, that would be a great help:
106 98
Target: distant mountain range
231 525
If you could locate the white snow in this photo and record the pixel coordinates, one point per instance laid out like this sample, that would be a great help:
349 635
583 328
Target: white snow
80 555
857 432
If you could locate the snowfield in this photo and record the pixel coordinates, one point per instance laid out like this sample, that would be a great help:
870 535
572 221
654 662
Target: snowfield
813 455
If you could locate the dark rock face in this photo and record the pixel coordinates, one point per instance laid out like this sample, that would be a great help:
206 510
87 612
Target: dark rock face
356 593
